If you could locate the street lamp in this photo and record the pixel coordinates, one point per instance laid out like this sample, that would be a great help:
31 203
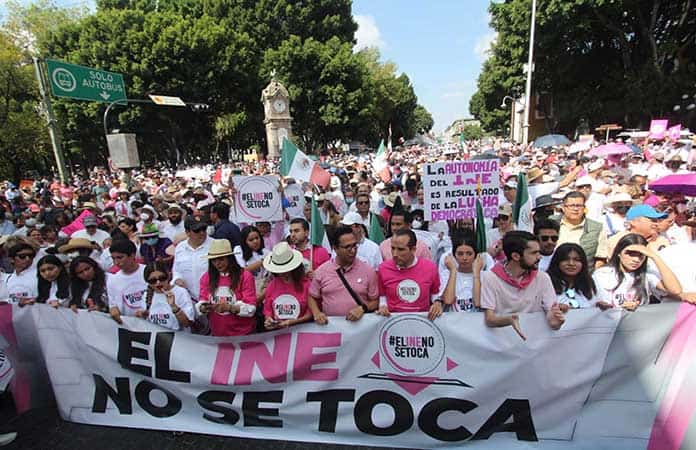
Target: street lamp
528 87
512 114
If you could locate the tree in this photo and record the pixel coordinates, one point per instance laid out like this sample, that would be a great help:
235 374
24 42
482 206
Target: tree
623 61
472 132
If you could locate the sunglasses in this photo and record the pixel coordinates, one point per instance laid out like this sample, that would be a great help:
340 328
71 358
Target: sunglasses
549 238
155 280
503 217
634 254
25 255
363 203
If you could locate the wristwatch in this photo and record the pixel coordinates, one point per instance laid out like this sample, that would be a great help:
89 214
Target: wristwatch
176 311
364 308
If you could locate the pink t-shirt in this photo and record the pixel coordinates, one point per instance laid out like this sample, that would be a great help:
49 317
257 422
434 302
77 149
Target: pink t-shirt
335 299
228 324
320 256
283 301
408 290
503 298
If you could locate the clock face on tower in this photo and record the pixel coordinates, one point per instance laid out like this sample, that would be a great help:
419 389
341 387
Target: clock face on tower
279 106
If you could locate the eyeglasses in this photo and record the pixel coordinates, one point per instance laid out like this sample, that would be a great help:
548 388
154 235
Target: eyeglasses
349 247
503 217
548 238
574 206
25 255
364 202
155 280
508 188
197 231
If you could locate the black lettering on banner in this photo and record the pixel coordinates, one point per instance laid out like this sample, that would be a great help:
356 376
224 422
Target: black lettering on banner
328 411
427 419
403 414
522 424
163 351
121 396
142 395
208 400
126 351
252 412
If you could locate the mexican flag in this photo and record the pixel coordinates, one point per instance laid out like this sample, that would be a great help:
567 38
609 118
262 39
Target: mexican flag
317 234
522 209
294 163
480 233
375 232
379 165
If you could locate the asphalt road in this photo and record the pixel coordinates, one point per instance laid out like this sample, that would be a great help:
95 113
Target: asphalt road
43 429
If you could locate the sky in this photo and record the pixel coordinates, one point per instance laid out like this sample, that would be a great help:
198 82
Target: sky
440 45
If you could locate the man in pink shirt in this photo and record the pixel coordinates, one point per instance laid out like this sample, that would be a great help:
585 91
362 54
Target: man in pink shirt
408 283
329 296
517 286
299 236
401 220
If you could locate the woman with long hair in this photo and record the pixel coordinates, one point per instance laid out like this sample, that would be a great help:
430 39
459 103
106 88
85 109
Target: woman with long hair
249 255
571 277
53 282
286 296
460 280
167 304
227 293
87 285
625 282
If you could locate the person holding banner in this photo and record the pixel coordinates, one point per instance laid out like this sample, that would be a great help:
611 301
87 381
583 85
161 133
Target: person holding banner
408 283
285 302
570 275
227 293
461 281
516 286
125 289
167 304
344 286
21 284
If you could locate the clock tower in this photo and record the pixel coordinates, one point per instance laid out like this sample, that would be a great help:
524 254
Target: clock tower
276 109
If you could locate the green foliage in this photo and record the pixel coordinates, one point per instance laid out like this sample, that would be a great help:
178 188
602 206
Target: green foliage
220 52
624 61
472 132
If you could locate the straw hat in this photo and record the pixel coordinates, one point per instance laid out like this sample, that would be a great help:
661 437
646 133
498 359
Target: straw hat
219 248
391 199
282 259
75 244
534 173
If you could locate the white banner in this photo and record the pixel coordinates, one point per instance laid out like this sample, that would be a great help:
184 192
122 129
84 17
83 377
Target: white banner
450 189
403 377
295 196
257 199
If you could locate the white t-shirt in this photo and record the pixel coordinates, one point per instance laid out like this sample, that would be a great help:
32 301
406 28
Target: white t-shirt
53 295
23 285
161 313
127 291
606 280
566 298
464 287
255 257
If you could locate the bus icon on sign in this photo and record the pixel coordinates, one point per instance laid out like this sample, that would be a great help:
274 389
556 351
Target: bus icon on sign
64 80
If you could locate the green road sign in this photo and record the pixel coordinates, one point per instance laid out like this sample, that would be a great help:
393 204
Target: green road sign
85 83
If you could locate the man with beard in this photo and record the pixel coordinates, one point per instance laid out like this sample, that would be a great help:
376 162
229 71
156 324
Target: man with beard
175 224
516 286
547 231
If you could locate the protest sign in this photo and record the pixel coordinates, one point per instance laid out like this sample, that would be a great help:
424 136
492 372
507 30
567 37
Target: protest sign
402 381
451 188
257 199
674 132
658 128
295 196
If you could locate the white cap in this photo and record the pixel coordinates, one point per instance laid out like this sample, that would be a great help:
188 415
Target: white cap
351 218
584 181
596 165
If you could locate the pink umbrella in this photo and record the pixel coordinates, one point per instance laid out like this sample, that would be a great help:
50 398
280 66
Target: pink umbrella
610 149
684 184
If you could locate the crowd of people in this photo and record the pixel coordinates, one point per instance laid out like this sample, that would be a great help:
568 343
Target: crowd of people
168 248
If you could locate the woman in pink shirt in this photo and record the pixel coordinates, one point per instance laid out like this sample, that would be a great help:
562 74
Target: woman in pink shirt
228 293
286 295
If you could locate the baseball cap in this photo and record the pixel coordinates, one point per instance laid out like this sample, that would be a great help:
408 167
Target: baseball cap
89 221
351 218
505 209
584 181
648 211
